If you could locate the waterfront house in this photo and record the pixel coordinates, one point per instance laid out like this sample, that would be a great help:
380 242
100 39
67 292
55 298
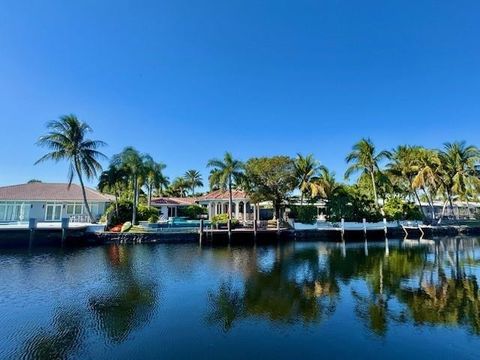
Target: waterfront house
217 202
49 202
169 206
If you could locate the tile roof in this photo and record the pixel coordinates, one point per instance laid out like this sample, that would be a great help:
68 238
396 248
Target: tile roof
173 201
223 195
50 192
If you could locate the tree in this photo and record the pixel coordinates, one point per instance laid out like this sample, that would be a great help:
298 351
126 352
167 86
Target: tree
154 178
113 181
194 179
225 173
364 158
306 171
271 179
132 162
459 162
178 187
67 138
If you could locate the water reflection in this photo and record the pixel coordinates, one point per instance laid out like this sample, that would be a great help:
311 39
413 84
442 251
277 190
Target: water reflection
128 302
107 301
432 283
64 338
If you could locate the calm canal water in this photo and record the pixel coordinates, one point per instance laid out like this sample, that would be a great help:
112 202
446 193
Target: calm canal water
307 300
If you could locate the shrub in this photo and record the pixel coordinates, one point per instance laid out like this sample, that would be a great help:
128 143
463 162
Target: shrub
125 209
192 211
397 209
305 214
222 219
153 219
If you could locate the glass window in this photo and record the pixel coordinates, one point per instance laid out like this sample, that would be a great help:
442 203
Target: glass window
70 209
58 212
9 212
78 209
3 212
49 214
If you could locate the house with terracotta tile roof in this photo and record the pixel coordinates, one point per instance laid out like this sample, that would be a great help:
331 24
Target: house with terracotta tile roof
169 206
217 202
49 202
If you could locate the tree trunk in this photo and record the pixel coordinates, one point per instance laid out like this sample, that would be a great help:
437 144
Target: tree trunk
374 187
230 200
420 204
301 198
84 194
150 190
134 209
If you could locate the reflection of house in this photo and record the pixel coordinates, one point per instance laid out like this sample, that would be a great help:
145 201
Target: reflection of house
217 202
168 206
49 202
461 210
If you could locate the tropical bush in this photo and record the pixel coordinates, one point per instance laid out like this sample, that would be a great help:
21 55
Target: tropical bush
305 214
348 203
125 209
153 219
222 219
398 209
126 227
192 211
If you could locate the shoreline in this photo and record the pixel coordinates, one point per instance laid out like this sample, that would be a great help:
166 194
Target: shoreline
78 238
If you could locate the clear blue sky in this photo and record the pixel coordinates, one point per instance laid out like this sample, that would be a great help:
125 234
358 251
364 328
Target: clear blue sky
187 80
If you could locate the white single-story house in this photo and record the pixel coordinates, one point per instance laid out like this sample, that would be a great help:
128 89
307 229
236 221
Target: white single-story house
168 206
49 202
461 209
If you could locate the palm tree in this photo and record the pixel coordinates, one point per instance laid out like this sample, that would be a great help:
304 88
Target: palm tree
131 161
154 178
364 158
225 173
404 168
306 170
178 187
194 179
326 184
113 181
67 138
459 162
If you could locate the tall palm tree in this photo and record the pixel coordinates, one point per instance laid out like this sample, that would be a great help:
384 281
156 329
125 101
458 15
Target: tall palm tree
225 173
67 138
306 171
194 179
131 161
364 158
154 178
403 169
459 162
178 187
113 181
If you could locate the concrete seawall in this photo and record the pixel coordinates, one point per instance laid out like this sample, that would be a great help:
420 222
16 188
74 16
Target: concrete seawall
23 238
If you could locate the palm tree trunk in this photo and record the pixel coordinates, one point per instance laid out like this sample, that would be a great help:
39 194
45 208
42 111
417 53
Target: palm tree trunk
301 198
230 197
134 210
150 190
84 194
419 204
374 186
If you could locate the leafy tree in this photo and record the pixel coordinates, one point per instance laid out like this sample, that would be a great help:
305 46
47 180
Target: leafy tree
132 162
178 187
194 179
365 159
306 173
459 162
154 178
271 179
67 138
225 174
113 181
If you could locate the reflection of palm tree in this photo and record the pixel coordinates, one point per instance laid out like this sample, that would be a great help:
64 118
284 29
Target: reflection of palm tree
130 303
58 343
295 289
226 306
